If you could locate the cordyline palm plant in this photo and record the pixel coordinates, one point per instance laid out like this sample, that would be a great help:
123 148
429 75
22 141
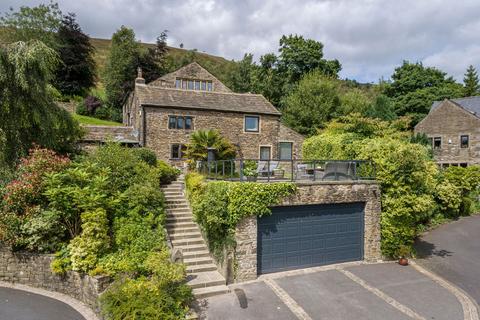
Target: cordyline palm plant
201 140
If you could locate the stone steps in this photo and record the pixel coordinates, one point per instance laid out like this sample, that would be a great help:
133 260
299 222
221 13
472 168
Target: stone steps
202 274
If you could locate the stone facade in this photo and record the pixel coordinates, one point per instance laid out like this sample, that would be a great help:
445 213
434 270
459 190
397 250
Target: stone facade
449 121
314 193
230 124
191 71
34 270
148 108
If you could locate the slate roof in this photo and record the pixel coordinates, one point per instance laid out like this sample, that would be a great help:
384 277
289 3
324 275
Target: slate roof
204 100
471 104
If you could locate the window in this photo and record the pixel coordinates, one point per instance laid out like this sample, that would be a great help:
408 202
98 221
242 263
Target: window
180 122
197 85
265 153
285 152
204 85
178 84
463 165
209 86
252 123
184 84
437 143
190 84
178 151
464 141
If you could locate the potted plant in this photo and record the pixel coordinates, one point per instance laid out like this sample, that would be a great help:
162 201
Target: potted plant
250 170
403 254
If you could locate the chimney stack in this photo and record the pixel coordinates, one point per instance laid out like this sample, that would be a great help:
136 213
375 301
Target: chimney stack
139 79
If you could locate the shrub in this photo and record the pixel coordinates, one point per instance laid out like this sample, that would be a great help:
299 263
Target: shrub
166 172
162 296
87 248
201 140
146 155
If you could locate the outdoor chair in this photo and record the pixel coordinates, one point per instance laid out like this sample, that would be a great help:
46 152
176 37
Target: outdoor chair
268 167
340 171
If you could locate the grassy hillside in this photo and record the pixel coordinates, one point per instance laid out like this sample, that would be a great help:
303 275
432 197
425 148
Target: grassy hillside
218 66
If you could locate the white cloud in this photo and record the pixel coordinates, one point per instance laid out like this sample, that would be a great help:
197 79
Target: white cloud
369 37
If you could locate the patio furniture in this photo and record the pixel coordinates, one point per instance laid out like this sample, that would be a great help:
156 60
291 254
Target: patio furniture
268 167
339 171
278 173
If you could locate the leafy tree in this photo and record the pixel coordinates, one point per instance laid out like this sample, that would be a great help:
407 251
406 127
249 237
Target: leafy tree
312 103
76 73
40 23
29 115
382 108
414 88
472 87
299 56
121 67
242 78
201 140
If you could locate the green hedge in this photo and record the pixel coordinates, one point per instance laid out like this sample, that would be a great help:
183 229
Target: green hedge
219 206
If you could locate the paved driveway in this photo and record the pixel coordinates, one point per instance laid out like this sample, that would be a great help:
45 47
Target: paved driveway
22 305
360 292
453 252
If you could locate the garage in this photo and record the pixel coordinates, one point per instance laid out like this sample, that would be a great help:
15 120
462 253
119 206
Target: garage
302 236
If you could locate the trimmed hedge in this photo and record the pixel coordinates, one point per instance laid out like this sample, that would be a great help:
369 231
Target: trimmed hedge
219 206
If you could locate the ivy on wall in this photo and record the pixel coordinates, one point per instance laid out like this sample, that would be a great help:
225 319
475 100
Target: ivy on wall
219 206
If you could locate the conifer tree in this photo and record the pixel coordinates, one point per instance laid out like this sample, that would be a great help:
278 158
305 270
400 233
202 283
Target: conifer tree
471 85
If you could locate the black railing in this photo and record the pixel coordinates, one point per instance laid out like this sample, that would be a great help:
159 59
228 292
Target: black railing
287 170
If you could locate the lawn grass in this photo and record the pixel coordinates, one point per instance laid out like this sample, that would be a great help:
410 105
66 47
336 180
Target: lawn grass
94 121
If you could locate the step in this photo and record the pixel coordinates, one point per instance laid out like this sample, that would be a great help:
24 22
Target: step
178 206
172 193
181 230
186 235
197 261
187 242
192 248
180 215
205 279
201 268
176 203
171 225
176 219
176 197
201 293
195 254
179 210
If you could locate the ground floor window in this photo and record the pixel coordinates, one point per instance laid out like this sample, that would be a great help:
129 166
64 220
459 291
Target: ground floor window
446 165
265 153
178 151
437 143
285 150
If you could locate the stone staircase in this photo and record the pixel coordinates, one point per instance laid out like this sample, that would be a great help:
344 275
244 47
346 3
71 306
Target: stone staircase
184 233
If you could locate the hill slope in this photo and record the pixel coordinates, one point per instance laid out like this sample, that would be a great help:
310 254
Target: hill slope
218 66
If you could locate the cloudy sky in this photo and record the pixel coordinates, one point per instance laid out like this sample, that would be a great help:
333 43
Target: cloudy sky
369 37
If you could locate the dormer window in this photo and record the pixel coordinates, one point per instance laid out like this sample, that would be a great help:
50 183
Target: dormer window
191 84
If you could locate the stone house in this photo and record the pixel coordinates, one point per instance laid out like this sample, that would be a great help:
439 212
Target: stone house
166 111
453 128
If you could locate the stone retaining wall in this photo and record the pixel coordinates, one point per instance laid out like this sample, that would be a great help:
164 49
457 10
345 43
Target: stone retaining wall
34 270
314 193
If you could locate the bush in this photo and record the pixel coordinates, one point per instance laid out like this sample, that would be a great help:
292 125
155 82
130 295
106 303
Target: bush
219 206
166 172
146 155
162 296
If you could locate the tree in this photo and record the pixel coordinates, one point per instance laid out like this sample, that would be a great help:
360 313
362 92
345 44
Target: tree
299 56
470 80
76 73
153 61
40 23
312 103
201 140
29 115
121 68
243 78
414 88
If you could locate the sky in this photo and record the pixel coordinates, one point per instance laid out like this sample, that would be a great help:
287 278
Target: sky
369 37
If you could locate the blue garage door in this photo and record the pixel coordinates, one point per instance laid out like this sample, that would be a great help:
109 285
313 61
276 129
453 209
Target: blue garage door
294 237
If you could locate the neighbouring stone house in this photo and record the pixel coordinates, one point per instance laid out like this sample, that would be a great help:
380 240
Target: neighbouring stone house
453 128
166 111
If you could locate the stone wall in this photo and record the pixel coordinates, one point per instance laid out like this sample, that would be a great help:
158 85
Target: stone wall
230 124
314 193
449 121
104 133
34 270
288 135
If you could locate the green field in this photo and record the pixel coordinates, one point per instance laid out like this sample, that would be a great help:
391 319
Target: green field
176 58
94 121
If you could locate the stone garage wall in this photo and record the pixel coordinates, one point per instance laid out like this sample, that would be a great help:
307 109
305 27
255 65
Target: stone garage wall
314 193
34 270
